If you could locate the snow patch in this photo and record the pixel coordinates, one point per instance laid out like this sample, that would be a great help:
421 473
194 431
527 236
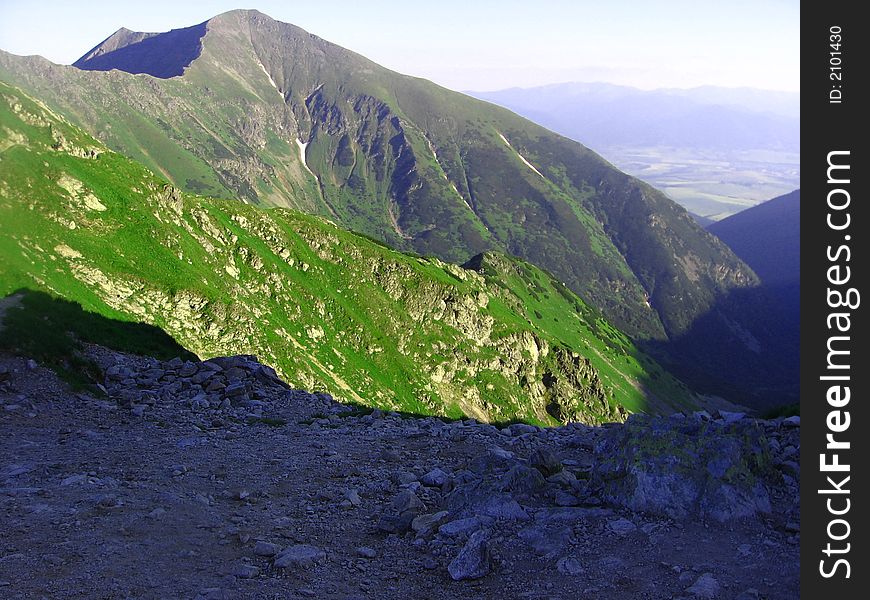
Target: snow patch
272 81
302 146
461 197
522 158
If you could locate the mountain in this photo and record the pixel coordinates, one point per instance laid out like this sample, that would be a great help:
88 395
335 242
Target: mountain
767 238
280 117
715 150
497 339
391 156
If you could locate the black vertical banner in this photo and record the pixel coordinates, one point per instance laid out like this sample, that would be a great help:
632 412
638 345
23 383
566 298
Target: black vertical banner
835 421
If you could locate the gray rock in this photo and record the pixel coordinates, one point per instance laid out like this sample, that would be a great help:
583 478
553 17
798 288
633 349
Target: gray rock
731 417
404 478
501 507
705 586
352 496
522 481
245 571
401 513
426 524
569 566
622 526
679 468
791 422
301 556
366 552
563 498
460 527
236 389
266 549
435 478
473 560
518 429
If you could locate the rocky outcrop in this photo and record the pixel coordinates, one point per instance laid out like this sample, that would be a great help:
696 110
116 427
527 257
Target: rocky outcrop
687 466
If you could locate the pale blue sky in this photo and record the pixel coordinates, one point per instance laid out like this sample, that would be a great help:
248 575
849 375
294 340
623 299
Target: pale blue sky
478 44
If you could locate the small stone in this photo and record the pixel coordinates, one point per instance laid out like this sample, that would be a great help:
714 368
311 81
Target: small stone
366 552
404 478
262 548
31 364
705 586
791 422
435 478
429 563
299 555
622 527
353 497
245 571
569 566
472 562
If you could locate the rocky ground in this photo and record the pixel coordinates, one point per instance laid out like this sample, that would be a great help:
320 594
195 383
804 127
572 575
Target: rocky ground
214 480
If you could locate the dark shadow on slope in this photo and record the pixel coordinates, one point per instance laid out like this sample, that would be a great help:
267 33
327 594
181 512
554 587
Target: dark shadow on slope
162 55
51 331
746 348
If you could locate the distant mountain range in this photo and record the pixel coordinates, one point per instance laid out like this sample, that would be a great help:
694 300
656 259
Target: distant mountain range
715 150
605 115
246 107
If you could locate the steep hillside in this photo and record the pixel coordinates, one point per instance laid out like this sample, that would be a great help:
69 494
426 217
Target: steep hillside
329 309
767 237
278 116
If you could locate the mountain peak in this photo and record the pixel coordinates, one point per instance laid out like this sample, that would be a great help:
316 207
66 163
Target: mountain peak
162 55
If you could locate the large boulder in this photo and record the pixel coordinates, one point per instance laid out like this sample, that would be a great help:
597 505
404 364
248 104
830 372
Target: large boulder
685 466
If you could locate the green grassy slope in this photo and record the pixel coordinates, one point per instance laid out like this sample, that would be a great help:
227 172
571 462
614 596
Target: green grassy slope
329 309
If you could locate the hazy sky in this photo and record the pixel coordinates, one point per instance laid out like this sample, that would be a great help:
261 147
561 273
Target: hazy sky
478 44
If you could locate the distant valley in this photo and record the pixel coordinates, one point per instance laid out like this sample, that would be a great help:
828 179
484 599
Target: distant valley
716 151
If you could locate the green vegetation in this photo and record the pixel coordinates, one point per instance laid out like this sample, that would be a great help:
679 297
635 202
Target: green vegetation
329 309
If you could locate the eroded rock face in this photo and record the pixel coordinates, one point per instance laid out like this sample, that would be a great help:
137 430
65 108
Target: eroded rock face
686 466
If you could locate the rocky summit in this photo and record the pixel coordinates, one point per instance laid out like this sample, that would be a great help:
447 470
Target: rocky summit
215 479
